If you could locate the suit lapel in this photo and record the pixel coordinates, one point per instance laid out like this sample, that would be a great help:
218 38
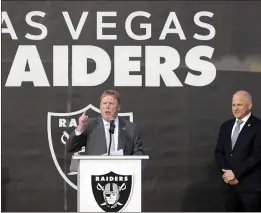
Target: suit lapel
101 137
121 135
230 128
243 132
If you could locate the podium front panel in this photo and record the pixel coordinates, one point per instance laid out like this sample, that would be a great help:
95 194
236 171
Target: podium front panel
109 185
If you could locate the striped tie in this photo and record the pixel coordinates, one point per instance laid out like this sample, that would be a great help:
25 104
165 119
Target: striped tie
236 133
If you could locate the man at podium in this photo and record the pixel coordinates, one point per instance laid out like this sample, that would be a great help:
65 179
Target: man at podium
107 133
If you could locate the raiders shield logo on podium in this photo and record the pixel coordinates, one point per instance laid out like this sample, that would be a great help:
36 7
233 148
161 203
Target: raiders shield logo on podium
112 191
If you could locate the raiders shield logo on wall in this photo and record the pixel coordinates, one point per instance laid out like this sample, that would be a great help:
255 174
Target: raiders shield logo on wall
112 191
59 126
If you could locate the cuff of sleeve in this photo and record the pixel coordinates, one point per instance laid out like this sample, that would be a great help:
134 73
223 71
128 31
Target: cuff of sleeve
77 133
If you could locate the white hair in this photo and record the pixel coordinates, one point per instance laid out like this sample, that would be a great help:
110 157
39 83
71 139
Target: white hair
246 94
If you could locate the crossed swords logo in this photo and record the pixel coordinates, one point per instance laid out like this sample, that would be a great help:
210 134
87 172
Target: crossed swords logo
121 188
64 136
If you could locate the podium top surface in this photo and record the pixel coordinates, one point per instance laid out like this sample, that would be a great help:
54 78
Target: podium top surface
99 157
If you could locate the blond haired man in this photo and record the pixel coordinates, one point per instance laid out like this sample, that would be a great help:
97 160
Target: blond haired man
107 132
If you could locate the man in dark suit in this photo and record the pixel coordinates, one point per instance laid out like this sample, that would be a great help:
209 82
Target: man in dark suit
238 156
106 132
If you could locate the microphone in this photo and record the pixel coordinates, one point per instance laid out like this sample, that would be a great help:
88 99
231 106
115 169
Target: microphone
111 131
112 127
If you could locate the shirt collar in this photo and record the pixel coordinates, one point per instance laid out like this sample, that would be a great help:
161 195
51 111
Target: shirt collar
116 121
245 118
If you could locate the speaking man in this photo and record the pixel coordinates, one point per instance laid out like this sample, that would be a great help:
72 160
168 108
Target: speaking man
106 133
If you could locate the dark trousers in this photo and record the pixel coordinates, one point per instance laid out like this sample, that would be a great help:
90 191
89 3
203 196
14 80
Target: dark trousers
242 201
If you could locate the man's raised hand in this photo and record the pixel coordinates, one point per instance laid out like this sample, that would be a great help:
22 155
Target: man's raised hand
82 123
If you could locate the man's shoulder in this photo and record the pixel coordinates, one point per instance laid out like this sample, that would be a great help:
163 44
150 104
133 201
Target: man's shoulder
127 123
255 120
94 120
228 122
252 118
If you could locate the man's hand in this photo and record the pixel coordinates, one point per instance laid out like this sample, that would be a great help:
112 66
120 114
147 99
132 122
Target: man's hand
228 175
233 182
83 119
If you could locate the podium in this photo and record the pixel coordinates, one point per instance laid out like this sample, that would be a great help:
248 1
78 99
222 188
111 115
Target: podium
109 183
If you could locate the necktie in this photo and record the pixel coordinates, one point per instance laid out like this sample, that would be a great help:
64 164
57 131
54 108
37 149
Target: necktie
112 143
108 139
236 133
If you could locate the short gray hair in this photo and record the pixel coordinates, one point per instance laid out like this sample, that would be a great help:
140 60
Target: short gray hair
246 94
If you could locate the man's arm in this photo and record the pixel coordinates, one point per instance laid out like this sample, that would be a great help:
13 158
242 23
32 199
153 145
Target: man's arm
137 144
78 137
76 141
253 160
220 152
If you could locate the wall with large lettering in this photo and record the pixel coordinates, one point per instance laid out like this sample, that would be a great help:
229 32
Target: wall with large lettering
176 65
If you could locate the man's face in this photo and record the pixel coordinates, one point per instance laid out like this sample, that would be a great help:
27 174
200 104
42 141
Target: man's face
111 197
240 106
109 107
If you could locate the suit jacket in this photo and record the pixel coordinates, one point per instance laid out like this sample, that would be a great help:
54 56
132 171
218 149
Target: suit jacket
94 140
245 158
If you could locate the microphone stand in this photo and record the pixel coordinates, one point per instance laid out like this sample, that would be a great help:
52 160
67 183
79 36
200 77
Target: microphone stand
111 131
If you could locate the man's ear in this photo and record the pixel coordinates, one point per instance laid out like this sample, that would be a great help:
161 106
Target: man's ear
250 106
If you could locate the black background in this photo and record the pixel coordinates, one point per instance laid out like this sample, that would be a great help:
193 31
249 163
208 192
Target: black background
178 126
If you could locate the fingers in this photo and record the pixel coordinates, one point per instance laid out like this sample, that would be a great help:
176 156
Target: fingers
233 182
226 181
83 117
228 178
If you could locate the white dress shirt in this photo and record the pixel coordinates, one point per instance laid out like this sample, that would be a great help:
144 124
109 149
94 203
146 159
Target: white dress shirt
241 125
115 135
